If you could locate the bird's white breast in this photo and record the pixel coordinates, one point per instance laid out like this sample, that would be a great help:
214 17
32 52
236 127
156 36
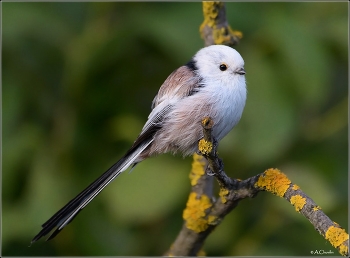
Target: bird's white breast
227 100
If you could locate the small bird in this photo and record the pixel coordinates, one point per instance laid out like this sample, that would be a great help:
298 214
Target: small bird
212 84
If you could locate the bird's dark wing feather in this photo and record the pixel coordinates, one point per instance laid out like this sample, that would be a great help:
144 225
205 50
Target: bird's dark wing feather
66 214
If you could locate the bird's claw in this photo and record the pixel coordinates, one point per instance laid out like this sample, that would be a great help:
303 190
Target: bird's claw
208 171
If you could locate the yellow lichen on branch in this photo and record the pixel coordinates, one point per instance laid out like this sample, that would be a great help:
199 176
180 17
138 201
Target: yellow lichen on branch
295 187
215 29
205 147
213 220
197 169
194 214
316 208
337 236
223 193
274 181
211 12
298 202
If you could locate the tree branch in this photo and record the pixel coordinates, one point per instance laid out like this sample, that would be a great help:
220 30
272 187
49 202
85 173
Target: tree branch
202 216
215 29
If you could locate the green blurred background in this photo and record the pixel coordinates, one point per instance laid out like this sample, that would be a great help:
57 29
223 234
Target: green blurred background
78 81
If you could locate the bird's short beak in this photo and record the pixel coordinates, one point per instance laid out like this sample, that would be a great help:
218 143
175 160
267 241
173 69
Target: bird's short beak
240 71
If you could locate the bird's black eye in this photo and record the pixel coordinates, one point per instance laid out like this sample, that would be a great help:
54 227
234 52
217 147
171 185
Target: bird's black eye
223 67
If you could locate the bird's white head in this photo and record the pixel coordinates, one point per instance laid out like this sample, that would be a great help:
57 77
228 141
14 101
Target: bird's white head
220 63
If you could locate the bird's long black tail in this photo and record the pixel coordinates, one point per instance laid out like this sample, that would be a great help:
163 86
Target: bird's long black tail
65 215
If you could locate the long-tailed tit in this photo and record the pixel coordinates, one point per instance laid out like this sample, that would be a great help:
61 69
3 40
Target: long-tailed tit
212 84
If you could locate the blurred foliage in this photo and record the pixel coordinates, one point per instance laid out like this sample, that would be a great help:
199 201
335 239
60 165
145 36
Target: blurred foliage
78 81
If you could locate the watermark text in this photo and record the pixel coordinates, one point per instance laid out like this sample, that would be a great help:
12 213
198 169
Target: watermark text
321 252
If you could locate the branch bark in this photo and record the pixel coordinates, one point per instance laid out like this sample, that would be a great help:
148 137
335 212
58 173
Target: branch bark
202 215
215 29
